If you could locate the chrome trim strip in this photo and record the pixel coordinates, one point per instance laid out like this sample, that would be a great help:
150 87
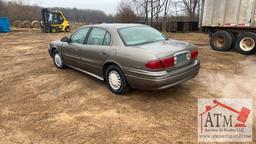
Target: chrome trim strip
147 73
91 74
181 52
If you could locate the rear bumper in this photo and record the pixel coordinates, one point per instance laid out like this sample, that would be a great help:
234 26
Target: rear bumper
162 80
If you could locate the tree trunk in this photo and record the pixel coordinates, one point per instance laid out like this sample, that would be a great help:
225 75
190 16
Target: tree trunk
146 11
165 14
152 12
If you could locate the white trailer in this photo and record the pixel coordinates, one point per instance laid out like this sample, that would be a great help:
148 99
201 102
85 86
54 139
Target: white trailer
230 23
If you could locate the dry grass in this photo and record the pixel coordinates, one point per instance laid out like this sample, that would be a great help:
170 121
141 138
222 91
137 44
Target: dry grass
41 104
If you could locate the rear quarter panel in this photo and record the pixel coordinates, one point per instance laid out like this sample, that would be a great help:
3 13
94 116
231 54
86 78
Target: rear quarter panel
131 58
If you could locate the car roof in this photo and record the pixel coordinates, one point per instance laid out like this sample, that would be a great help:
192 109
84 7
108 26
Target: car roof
115 25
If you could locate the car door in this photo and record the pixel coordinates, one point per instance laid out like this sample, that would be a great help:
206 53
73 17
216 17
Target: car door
95 51
70 50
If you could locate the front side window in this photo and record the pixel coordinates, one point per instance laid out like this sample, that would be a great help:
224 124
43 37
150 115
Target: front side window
79 36
140 35
99 37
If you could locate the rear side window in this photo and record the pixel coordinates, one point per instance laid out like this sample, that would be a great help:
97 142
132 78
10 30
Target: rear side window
99 37
79 36
139 35
107 39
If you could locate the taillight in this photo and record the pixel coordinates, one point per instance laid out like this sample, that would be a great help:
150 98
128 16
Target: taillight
194 54
168 62
159 64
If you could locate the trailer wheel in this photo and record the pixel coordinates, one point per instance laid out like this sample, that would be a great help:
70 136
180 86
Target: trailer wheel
221 41
246 43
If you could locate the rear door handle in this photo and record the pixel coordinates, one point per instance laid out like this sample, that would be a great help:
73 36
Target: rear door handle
103 52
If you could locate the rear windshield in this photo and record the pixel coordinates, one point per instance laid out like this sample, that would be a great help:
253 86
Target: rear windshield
140 35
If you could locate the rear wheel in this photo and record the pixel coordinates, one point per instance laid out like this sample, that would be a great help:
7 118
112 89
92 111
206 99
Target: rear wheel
221 41
246 43
115 80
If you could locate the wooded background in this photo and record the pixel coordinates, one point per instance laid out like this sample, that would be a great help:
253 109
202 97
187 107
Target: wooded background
20 11
151 12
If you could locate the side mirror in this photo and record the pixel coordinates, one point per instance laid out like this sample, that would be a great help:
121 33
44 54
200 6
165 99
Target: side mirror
65 39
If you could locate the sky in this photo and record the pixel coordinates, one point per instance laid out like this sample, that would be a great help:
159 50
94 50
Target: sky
108 6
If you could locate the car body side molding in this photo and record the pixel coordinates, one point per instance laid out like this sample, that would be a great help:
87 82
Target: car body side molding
86 72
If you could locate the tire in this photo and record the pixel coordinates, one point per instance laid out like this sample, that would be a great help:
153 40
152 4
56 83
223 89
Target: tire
233 40
115 73
26 24
35 24
67 29
18 24
221 41
246 43
57 60
54 30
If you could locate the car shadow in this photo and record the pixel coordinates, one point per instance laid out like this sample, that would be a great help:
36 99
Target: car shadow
175 92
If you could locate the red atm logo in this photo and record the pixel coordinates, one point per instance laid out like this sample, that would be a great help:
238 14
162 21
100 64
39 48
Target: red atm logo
224 120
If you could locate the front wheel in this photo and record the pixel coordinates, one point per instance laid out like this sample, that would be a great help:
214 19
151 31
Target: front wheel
54 29
57 59
115 80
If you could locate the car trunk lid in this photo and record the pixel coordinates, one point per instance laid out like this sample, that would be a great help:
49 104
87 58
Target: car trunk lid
180 50
166 48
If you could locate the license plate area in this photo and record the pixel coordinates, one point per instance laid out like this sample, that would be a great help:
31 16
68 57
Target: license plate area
182 58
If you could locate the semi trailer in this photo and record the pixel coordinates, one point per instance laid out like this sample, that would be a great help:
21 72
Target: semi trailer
230 24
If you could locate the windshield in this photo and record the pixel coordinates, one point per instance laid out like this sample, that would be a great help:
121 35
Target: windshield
140 35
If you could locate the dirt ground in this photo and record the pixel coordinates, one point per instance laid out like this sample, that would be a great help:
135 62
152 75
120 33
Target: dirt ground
42 104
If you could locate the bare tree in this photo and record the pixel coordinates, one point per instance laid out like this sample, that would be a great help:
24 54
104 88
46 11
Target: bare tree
191 7
166 11
2 8
125 13
151 9
142 6
160 7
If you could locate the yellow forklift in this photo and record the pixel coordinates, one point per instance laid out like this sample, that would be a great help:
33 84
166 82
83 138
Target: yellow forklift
54 21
